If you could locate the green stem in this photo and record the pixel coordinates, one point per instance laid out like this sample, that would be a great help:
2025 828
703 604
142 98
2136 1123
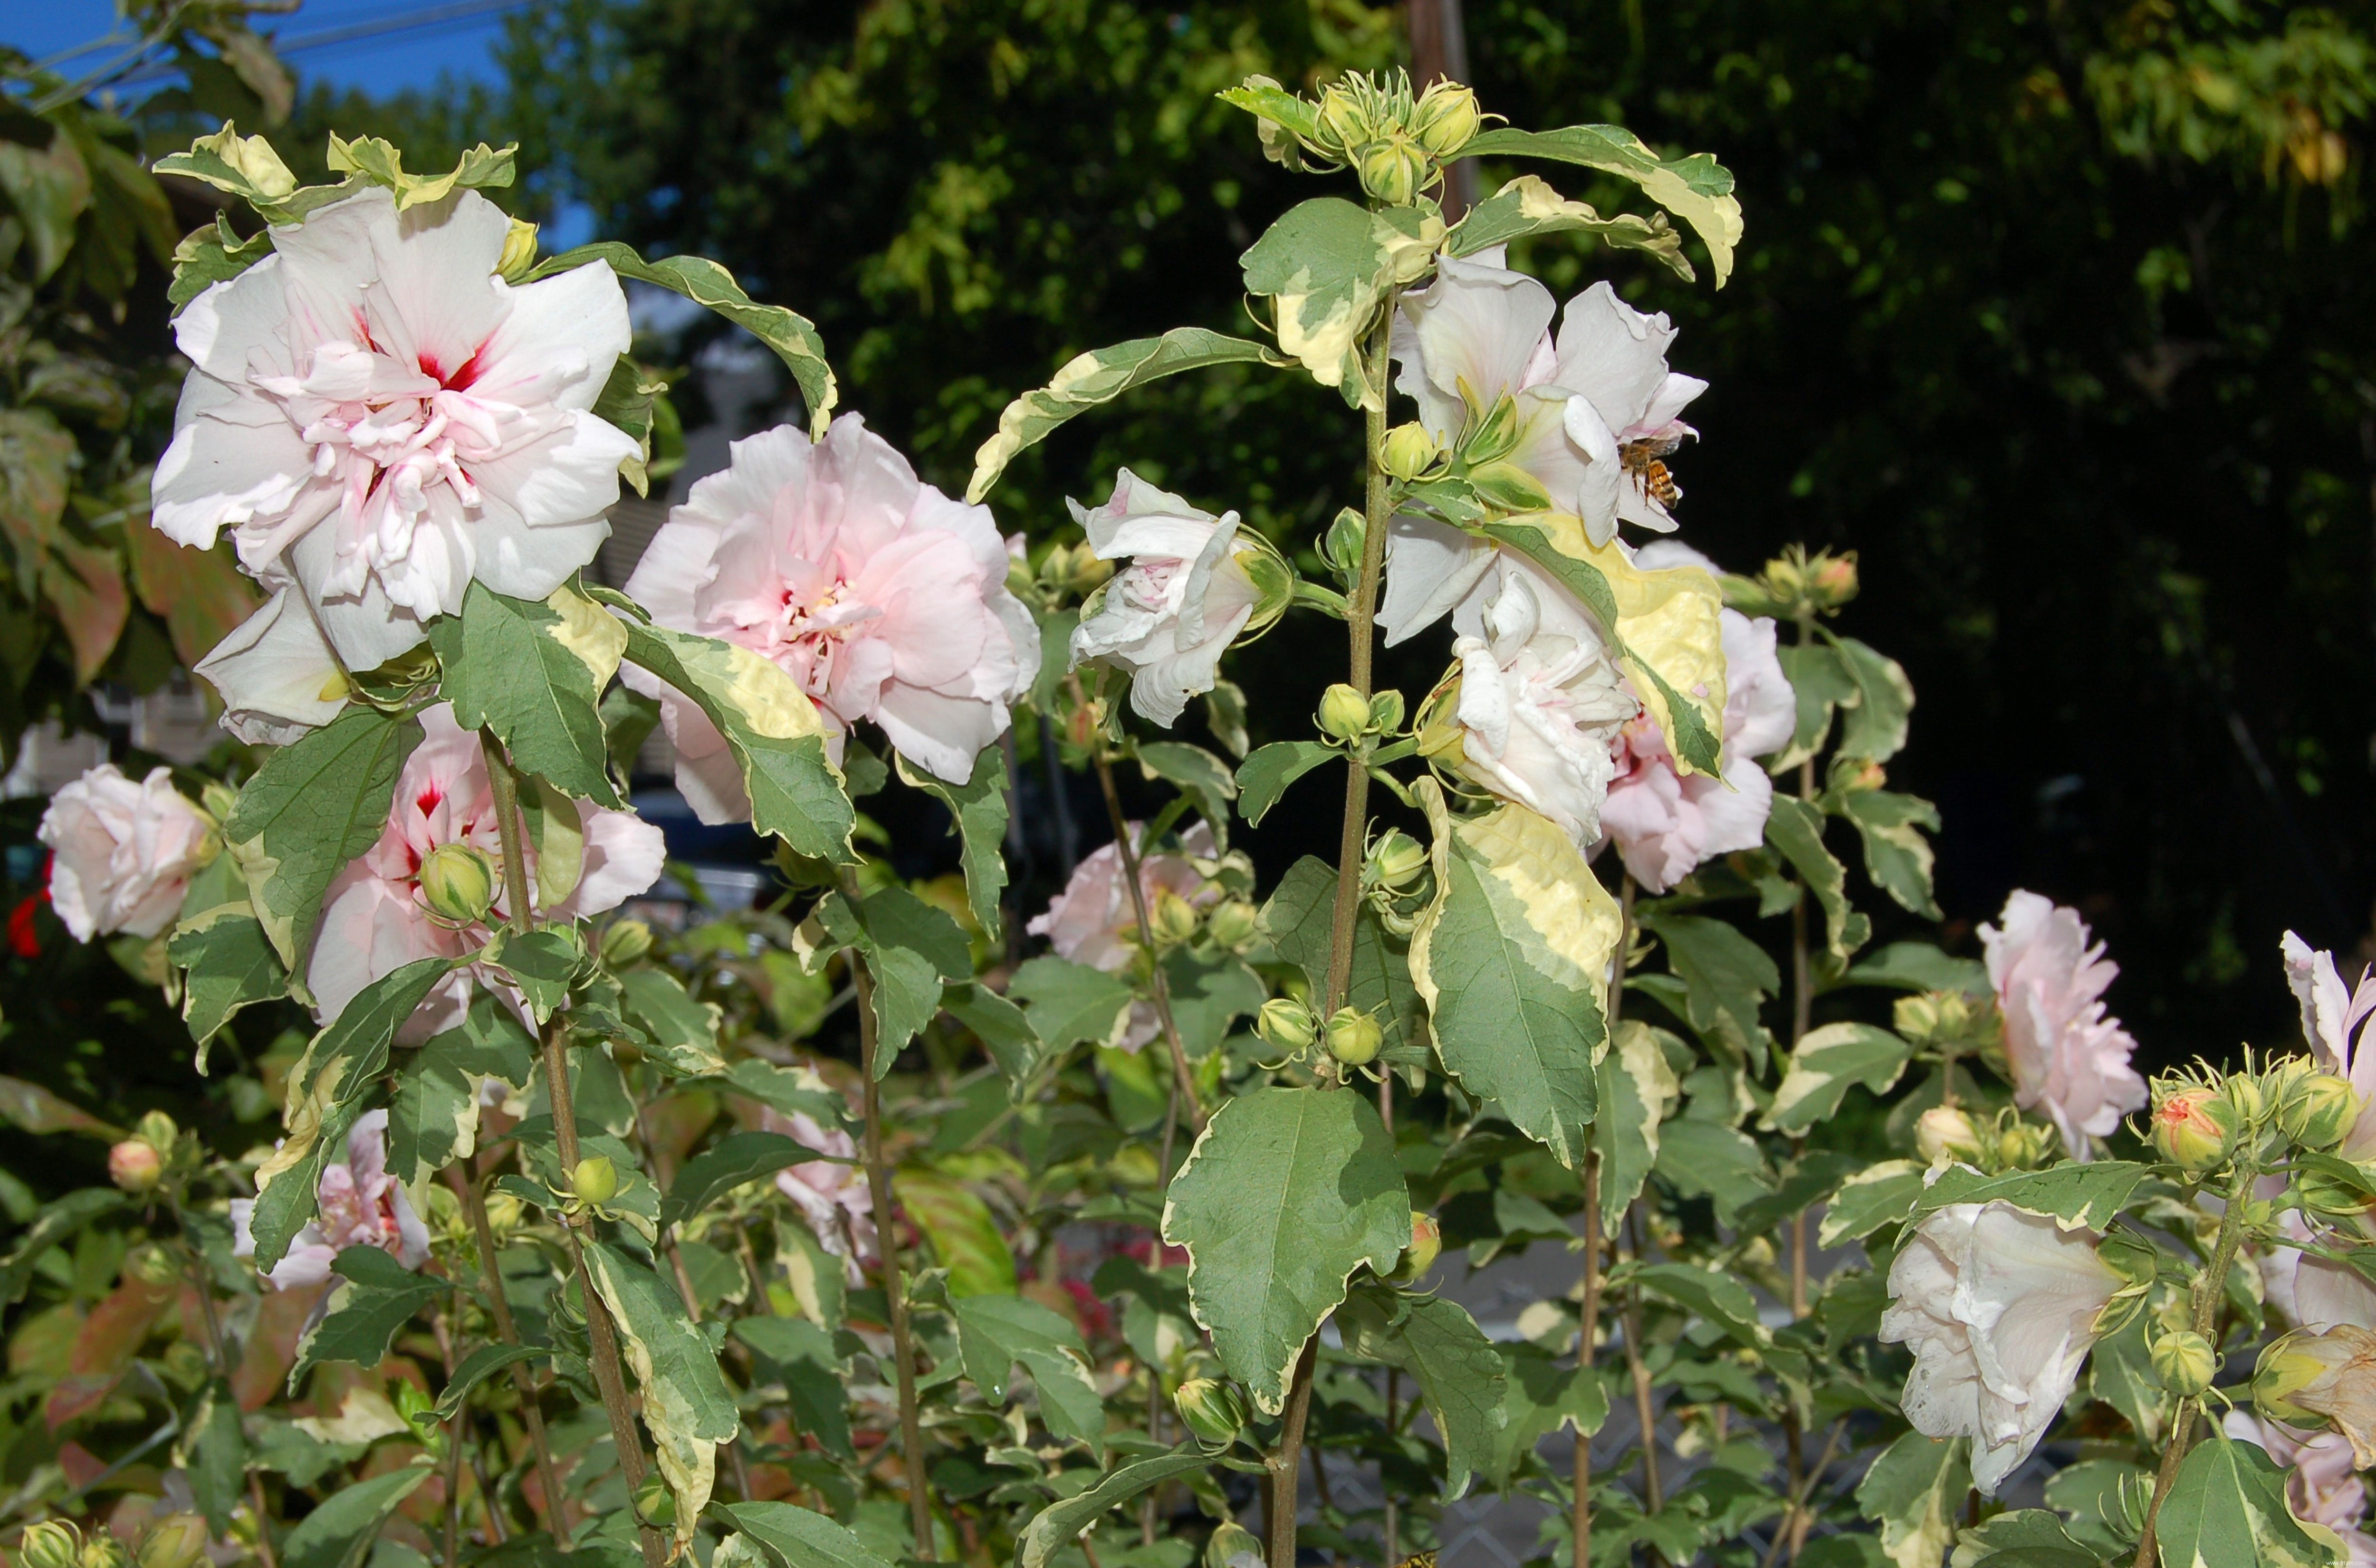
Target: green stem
1183 1081
2210 1289
474 1204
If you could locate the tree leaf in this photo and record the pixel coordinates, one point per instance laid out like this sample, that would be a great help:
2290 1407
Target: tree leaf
1725 976
1068 1003
792 336
340 1533
979 808
912 950
374 1297
1325 263
1820 681
1700 1158
2074 1194
1198 773
801 1355
1056 1526
734 1160
1099 377
1919 966
681 1033
994 1331
1878 1196
1460 1374
1897 856
1637 1091
1287 1192
962 1231
56 1223
1511 958
533 673
1876 724
1717 1300
1913 1491
2227 1504
687 1406
226 961
432 1118
1005 1031
543 963
476 1368
1796 828
1300 917
1264 777
310 812
36 1110
1526 207
1826 1063
1696 189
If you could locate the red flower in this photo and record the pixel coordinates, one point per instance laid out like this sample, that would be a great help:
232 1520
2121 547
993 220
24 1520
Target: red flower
22 936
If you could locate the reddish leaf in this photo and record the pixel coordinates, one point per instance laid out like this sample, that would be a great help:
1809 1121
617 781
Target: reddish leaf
111 1336
36 1109
272 1345
200 593
87 591
36 465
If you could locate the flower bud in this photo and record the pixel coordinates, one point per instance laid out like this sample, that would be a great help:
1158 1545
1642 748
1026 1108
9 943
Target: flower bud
255 161
1933 1016
1211 1408
2019 1145
1447 118
1409 450
2318 1110
519 251
2185 1362
49 1543
1341 545
1784 577
1233 924
1287 1024
655 1503
623 941
1229 1542
177 1540
1386 711
1354 1037
2291 1363
1344 712
1947 1131
1426 1246
1397 859
152 1264
2193 1128
102 1551
1345 122
457 883
134 1166
1172 918
596 1179
1832 580
1392 168
2249 1097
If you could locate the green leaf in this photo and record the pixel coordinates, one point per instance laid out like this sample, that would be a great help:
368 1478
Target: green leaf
1880 1194
1286 1193
1540 1395
994 1331
1718 1300
1805 1182
1919 966
912 950
792 336
374 1296
1526 207
1876 723
1795 829
39 1111
963 1233
1070 1406
310 812
2121 1373
433 1119
1819 680
1897 856
979 808
56 1223
2227 1504
2026 1537
476 1368
771 727
1005 1031
1057 1526
221 947
734 1160
1725 977
1068 1003
801 1355
1703 1158
340 1533
1913 1491
2087 1495
1326 265
687 1406
795 1094
799 1538
1829 1060
1209 994
1459 1373
542 963
1300 917
1696 189
1099 377
534 675
1198 773
1637 1091
216 1447
682 1033
2073 1194
1264 777
1510 958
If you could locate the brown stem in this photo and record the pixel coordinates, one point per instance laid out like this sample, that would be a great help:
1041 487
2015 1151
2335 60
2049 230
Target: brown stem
1394 1514
512 832
1588 1335
1796 1515
263 1552
2210 1289
454 1430
193 1266
474 1204
1285 1465
1645 1410
1183 1081
886 1247
663 1173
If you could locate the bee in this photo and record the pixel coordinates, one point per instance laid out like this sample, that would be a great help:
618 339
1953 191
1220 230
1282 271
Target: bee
1642 459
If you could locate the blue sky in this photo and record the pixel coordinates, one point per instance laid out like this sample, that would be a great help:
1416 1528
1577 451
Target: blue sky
461 44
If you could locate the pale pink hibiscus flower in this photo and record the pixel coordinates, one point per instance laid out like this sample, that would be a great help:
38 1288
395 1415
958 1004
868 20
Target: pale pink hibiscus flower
124 853
2068 1057
1094 921
832 1196
883 597
362 1206
377 416
375 919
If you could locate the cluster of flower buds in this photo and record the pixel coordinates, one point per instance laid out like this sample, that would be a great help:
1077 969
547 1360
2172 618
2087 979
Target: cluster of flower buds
1394 142
1351 1036
177 1540
2003 1142
1346 716
2203 1121
1949 1021
140 1163
1796 586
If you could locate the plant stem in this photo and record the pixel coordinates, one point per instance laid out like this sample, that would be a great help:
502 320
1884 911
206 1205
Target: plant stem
1802 1012
1183 1082
474 1204
664 1174
886 1246
1394 1514
2210 1289
1588 1327
1285 1465
194 1264
1645 1410
602 1338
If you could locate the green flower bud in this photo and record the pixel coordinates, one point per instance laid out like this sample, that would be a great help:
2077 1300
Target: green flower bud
596 1179
50 1543
655 1503
2319 1110
102 1551
1947 1131
1392 169
1345 122
457 883
1426 1246
2021 1146
1409 450
1287 1024
2291 1364
1354 1037
1211 1408
1933 1016
2185 1362
134 1166
2249 1097
1172 918
1832 580
152 1264
519 251
1230 1541
1273 583
1341 545
623 941
1386 711
177 1540
2193 1128
1447 118
1397 859
1344 712
1233 924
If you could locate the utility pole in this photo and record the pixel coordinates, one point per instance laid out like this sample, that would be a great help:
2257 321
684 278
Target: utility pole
1440 51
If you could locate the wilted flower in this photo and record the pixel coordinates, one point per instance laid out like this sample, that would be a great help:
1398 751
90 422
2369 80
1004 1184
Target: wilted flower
832 1196
1664 823
2329 1373
376 416
2322 1486
1999 1306
883 597
1093 921
362 1206
275 673
2332 1020
377 918
124 853
1540 703
2067 1056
